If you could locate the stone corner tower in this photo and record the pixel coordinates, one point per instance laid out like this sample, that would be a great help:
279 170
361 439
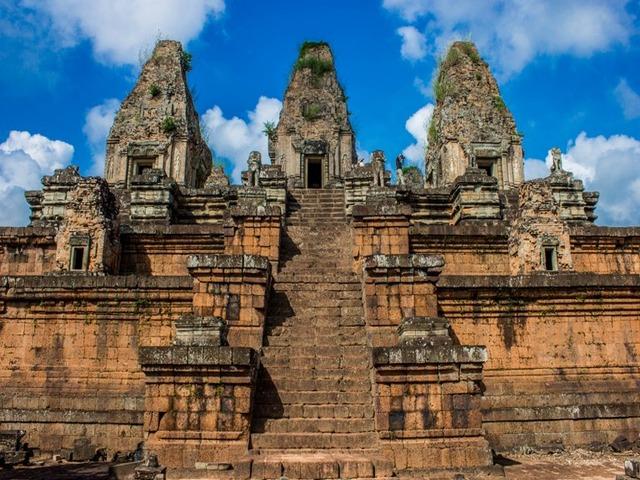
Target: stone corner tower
157 124
313 142
471 125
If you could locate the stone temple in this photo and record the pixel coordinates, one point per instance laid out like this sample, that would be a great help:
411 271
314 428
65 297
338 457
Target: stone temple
317 321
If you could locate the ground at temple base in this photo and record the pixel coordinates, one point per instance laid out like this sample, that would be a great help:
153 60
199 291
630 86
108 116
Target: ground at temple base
575 465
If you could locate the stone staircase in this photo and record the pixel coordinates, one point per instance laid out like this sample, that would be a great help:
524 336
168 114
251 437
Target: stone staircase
314 405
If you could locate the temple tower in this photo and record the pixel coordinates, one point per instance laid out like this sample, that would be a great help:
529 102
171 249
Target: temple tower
157 124
313 141
471 125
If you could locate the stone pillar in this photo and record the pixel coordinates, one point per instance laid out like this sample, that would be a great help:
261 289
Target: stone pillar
198 395
380 229
253 230
357 184
234 288
427 399
397 287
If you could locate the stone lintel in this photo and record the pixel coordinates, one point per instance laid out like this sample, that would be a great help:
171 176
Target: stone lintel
424 355
252 262
425 331
181 357
249 210
556 280
380 210
193 330
425 264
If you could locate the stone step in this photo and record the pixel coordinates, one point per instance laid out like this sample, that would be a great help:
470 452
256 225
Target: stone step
332 464
285 397
338 280
310 362
356 371
319 385
300 339
313 440
333 321
313 425
306 350
316 298
297 410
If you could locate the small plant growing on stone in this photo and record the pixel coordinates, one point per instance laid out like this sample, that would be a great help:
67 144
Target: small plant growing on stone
470 51
441 88
318 66
311 111
154 90
432 133
169 125
269 129
308 45
453 58
499 103
185 60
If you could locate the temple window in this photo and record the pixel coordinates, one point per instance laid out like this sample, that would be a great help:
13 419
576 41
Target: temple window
550 258
79 253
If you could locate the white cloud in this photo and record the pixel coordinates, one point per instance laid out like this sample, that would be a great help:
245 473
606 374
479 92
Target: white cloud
120 29
534 168
609 165
628 99
512 33
422 87
414 43
96 127
417 126
24 159
234 138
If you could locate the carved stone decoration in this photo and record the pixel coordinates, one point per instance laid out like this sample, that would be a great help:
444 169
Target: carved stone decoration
217 178
556 160
539 240
88 237
251 177
377 165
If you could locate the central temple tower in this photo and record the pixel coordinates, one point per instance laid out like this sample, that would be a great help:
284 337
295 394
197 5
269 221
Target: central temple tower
313 141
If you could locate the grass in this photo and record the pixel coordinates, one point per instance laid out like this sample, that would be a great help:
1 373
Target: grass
308 45
432 133
318 66
311 111
169 125
306 60
499 103
470 51
442 88
185 61
154 90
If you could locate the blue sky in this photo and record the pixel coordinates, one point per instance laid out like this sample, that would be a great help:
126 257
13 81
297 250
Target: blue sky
568 70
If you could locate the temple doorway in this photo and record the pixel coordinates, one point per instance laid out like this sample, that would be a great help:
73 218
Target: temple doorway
314 172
